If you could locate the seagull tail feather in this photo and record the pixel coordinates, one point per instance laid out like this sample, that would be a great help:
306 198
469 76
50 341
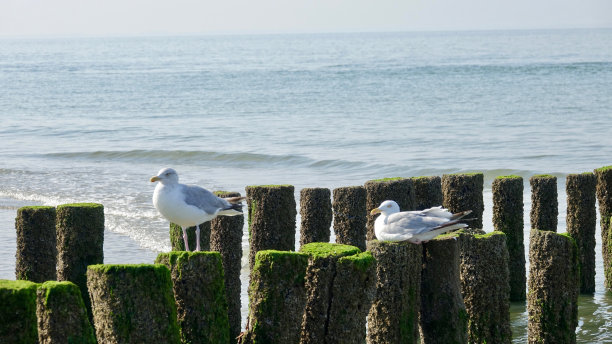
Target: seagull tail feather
460 215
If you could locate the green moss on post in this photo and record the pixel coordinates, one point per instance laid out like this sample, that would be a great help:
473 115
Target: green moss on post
485 287
18 312
320 276
464 192
443 317
604 197
271 219
393 317
544 204
226 238
176 237
353 292
36 244
508 218
80 241
400 190
552 301
350 215
581 223
133 303
277 296
62 316
427 191
316 214
199 291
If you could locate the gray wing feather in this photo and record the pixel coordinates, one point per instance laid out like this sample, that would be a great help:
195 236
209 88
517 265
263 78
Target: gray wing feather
414 222
203 199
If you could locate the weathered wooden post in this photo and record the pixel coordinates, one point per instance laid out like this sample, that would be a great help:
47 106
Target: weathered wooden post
226 238
176 237
394 314
350 216
271 219
581 223
463 191
62 316
199 291
508 219
320 275
485 287
544 205
80 241
132 303
353 291
443 317
277 297
36 244
427 192
18 312
604 197
316 213
400 190
552 301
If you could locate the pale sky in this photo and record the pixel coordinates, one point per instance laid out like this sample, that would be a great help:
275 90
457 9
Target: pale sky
138 17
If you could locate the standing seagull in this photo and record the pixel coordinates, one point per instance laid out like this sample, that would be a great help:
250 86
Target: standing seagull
189 205
414 226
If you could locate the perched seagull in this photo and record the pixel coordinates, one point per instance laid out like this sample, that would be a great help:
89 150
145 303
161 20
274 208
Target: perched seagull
189 205
414 226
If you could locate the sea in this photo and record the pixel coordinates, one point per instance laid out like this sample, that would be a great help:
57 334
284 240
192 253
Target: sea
91 119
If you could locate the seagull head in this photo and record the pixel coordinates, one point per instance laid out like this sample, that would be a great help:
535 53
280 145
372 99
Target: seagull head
386 208
166 176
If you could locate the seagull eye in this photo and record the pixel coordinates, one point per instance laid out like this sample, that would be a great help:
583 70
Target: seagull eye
389 206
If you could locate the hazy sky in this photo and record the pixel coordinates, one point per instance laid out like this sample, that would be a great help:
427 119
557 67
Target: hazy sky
111 17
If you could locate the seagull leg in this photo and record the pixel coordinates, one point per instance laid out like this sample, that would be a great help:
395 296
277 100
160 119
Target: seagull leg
197 238
185 238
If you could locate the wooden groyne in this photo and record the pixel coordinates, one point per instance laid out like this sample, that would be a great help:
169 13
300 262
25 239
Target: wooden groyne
456 288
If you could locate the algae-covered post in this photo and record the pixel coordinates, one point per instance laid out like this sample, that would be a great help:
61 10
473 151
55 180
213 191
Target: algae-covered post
133 303
62 316
604 197
350 215
463 191
277 296
271 219
581 223
316 213
508 218
80 240
320 275
400 190
544 205
353 291
226 238
394 314
176 237
427 192
36 244
199 291
485 287
18 312
443 317
552 301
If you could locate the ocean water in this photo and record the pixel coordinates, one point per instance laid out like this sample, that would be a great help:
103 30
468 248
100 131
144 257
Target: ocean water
92 119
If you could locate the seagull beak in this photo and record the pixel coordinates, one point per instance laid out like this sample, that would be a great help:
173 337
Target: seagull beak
154 179
375 211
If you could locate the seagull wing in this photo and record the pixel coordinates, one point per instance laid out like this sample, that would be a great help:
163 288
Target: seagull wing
414 222
204 199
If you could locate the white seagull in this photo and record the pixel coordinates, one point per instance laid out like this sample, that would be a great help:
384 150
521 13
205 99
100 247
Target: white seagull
189 205
414 226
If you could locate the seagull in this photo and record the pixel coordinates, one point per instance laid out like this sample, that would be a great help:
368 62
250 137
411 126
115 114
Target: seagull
189 205
414 226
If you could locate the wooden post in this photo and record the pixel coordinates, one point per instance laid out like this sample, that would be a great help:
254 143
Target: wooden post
427 191
604 197
350 216
316 213
463 191
36 244
544 205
